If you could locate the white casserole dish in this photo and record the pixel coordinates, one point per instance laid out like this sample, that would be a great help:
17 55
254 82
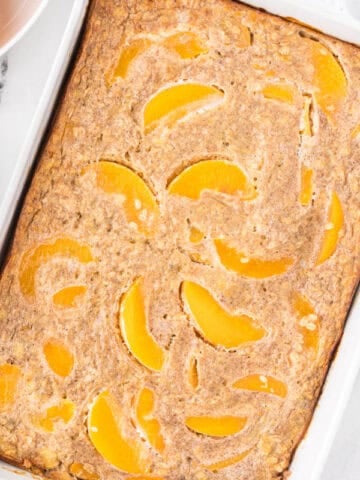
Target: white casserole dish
32 83
19 142
339 18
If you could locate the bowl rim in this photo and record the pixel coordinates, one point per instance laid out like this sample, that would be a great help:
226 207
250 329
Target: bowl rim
21 32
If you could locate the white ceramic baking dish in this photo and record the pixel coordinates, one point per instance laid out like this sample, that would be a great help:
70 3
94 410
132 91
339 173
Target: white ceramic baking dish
339 18
18 147
36 68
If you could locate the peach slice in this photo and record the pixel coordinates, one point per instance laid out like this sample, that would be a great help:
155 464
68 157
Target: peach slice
149 426
105 433
356 131
134 329
306 188
214 323
214 467
9 379
262 383
256 66
79 471
68 297
129 54
139 202
308 322
198 258
193 373
332 229
235 34
329 79
216 175
186 44
280 92
240 263
216 426
58 357
173 103
64 411
306 121
244 39
34 258
196 235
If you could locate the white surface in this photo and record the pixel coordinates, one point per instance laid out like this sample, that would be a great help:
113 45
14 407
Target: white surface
34 68
344 460
340 18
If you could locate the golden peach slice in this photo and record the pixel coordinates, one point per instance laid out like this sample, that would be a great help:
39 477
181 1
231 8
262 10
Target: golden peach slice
186 44
134 330
234 34
306 188
262 383
139 202
34 258
68 297
128 54
332 229
172 104
306 127
105 433
9 379
58 357
149 426
270 73
196 235
228 462
64 412
280 92
216 175
216 426
240 263
198 258
79 471
214 323
244 39
308 322
193 374
329 79
356 131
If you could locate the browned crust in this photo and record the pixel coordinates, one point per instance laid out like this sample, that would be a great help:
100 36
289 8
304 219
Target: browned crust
40 220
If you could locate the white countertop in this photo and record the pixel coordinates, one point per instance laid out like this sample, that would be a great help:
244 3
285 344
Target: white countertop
344 460
27 66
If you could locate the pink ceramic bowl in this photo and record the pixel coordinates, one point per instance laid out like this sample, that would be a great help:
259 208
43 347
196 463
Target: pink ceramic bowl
16 17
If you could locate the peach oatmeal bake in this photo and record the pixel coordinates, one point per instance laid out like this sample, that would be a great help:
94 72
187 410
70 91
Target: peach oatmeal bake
187 251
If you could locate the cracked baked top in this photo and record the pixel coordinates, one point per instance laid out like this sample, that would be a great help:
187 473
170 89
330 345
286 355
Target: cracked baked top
187 251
